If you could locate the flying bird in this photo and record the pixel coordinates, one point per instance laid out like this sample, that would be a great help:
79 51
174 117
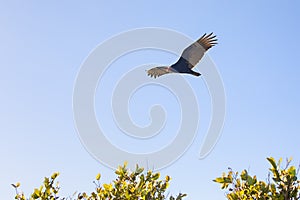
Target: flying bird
188 59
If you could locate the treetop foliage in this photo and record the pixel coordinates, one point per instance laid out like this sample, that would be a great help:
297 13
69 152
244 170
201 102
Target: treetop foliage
282 183
129 185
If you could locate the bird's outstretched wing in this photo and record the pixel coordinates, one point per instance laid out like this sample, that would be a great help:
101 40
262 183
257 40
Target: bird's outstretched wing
195 51
158 71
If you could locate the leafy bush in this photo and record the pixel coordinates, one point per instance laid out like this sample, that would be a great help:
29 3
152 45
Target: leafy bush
284 184
128 185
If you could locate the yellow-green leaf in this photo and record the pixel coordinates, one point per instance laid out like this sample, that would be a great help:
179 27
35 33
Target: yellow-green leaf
107 187
168 178
156 176
98 176
272 161
37 192
54 175
219 180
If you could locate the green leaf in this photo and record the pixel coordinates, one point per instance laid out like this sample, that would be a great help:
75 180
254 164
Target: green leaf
156 176
244 175
272 161
292 171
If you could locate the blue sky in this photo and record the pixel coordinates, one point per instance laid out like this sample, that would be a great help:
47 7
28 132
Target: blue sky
43 45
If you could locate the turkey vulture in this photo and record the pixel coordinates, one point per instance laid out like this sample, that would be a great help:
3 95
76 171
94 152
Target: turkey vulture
188 59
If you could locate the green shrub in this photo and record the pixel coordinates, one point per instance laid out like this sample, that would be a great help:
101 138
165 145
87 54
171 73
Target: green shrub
284 184
128 185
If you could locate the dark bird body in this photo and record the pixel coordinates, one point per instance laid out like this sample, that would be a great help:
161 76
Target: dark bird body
188 59
181 66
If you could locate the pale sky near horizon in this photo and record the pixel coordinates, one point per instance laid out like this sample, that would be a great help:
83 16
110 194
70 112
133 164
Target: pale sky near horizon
43 45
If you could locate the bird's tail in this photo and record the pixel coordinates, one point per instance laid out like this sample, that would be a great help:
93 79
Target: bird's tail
195 73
